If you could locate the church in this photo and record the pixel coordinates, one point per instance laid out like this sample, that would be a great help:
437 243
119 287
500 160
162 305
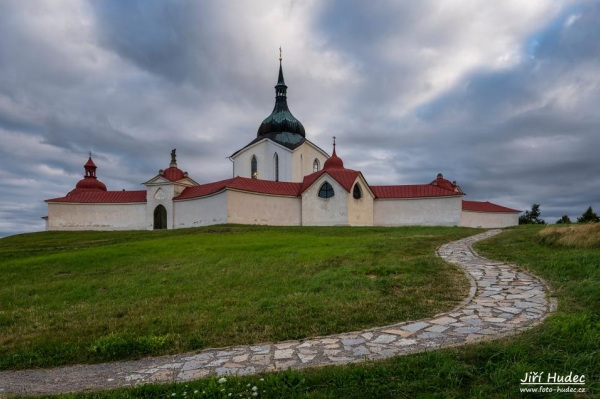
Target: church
281 179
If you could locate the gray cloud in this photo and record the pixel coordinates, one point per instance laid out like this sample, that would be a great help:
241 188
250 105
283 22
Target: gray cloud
501 98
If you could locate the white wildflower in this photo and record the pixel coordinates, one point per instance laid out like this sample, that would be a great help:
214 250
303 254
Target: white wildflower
255 388
222 380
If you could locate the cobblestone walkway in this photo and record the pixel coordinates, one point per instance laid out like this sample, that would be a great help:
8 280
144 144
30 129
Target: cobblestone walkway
502 301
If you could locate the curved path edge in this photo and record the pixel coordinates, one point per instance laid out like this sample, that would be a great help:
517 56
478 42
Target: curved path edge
503 301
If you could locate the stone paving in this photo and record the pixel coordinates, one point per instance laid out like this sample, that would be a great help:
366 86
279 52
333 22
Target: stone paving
503 301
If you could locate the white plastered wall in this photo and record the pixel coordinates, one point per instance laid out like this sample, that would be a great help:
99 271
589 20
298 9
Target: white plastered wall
304 156
439 211
203 211
265 154
360 211
70 216
488 220
160 194
252 208
318 211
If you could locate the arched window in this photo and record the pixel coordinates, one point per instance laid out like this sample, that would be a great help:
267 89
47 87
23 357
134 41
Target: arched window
326 191
254 168
160 218
315 165
276 166
356 193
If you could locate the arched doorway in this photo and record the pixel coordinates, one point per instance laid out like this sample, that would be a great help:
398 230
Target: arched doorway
160 218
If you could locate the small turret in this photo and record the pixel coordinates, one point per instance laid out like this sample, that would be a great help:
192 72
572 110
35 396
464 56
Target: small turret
89 181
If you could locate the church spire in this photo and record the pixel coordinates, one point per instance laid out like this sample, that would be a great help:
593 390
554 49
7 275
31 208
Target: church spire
280 88
281 126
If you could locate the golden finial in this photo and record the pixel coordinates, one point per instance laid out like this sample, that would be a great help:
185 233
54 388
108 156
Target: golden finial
280 57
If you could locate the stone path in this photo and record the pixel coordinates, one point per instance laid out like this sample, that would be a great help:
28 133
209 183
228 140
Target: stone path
502 301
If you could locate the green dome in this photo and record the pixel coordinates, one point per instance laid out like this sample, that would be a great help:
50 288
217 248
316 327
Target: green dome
281 125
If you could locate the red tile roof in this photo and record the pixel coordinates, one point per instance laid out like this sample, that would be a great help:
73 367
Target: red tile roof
173 173
243 184
346 177
412 191
444 183
97 196
487 206
90 183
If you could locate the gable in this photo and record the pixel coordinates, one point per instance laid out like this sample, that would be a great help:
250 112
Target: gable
312 145
256 143
157 180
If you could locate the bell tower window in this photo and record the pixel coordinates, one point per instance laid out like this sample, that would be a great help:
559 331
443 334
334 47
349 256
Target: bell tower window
315 165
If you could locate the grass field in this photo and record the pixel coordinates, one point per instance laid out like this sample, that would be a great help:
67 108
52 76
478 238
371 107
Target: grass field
81 297
568 341
572 235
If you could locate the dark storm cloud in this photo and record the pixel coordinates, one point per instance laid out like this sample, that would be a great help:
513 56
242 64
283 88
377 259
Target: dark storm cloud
500 97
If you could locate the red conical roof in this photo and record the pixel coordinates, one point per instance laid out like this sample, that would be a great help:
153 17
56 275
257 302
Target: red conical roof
89 163
334 162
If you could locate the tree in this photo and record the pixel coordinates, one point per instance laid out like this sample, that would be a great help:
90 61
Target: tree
588 216
564 220
532 217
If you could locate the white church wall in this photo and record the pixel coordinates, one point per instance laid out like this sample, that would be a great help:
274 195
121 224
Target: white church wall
69 216
203 211
304 157
440 211
318 211
360 211
159 195
265 154
251 208
242 160
285 162
488 220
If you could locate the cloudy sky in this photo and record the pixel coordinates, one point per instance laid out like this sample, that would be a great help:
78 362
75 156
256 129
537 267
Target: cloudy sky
503 96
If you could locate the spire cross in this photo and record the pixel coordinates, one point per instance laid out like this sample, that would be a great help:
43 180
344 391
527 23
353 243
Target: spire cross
90 154
280 57
334 142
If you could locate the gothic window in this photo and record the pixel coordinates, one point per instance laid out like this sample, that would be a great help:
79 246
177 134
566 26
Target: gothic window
356 193
254 168
160 218
316 165
276 166
326 191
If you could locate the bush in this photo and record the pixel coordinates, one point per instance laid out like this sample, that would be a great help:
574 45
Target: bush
532 217
588 216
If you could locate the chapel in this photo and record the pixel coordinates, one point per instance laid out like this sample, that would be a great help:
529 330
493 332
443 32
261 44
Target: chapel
280 178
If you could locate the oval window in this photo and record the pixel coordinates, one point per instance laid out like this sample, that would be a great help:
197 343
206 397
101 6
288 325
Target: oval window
356 193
